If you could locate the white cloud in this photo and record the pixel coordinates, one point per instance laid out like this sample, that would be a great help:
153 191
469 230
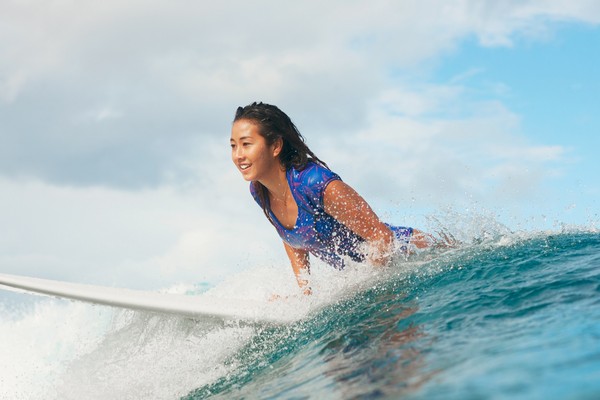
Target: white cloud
138 239
424 154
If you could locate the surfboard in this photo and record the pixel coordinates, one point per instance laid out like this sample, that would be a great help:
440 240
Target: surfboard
200 307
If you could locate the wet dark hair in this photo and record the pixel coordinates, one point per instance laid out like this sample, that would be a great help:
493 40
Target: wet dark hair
274 124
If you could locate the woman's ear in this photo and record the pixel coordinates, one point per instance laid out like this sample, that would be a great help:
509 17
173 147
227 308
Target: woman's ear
277 147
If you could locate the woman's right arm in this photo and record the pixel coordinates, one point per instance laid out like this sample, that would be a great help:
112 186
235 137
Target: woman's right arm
300 265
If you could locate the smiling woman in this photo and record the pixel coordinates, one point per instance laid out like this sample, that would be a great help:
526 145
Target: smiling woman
311 208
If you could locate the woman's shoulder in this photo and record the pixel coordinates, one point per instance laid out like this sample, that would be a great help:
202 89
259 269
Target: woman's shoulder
315 174
254 193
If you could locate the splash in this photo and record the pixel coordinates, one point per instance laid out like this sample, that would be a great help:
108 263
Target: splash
69 350
37 346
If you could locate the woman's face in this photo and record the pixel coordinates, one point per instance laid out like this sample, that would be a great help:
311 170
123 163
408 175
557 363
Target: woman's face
254 158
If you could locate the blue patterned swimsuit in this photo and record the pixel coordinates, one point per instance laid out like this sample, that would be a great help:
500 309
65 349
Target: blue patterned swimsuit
315 230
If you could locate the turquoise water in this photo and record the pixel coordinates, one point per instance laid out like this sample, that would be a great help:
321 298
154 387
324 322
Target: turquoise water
513 318
514 315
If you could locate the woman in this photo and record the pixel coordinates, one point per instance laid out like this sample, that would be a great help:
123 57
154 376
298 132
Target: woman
313 210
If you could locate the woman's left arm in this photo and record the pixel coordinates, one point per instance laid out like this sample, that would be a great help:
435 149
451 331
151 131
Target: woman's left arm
348 207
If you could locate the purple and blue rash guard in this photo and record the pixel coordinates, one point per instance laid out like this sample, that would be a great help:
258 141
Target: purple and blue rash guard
315 230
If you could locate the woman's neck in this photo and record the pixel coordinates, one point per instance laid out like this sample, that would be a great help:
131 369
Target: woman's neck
276 183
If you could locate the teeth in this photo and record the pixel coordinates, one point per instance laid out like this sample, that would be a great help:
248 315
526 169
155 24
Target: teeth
244 166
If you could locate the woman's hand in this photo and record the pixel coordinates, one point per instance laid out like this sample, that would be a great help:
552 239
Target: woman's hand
380 252
307 291
300 265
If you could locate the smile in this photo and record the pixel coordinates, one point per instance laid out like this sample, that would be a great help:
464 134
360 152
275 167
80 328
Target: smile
244 167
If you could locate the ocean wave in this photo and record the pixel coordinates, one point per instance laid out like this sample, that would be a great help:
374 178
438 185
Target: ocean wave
503 314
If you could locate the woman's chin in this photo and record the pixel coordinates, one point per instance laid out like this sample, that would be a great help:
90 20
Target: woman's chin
247 177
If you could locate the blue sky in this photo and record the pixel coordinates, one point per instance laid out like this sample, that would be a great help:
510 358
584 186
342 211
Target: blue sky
115 118
552 84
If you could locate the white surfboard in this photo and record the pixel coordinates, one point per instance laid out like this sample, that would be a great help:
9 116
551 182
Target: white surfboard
200 307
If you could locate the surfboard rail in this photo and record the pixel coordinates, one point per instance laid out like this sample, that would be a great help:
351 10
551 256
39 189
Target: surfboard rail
193 306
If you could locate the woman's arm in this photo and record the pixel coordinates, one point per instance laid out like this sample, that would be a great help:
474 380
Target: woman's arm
300 265
348 207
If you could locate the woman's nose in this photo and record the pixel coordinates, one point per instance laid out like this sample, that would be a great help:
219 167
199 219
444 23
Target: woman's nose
238 152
